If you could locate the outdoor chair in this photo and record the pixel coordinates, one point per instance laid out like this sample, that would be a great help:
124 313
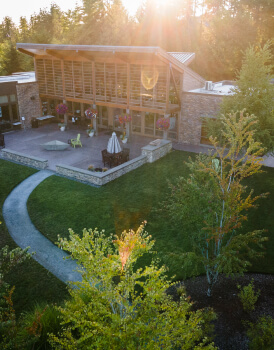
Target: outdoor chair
125 155
106 158
76 142
117 159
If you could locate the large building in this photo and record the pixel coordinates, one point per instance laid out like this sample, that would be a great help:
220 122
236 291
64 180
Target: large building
146 82
17 99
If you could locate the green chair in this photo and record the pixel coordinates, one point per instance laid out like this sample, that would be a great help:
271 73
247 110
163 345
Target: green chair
76 142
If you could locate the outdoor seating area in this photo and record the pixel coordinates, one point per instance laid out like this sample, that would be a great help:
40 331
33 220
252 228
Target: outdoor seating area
41 142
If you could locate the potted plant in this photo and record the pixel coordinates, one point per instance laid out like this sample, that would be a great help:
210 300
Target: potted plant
163 124
123 137
90 130
62 125
61 108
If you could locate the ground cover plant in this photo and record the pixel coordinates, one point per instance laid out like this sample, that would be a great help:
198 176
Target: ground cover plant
32 282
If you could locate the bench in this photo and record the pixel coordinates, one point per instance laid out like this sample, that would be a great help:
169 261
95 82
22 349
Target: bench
45 118
17 125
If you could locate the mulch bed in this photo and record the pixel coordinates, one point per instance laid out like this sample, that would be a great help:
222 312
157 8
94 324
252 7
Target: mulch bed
230 332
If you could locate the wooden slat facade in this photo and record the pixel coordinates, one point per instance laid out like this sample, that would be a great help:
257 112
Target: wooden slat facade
130 85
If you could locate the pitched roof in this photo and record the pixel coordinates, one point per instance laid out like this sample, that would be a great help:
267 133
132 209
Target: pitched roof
148 52
183 57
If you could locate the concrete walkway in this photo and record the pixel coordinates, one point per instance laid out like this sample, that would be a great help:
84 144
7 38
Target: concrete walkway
26 235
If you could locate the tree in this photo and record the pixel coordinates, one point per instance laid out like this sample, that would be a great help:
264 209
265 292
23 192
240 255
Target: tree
211 205
119 306
255 93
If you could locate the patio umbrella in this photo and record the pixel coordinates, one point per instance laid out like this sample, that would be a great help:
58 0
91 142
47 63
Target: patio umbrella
113 144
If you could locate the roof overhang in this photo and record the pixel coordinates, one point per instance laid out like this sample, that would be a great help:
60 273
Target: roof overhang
128 54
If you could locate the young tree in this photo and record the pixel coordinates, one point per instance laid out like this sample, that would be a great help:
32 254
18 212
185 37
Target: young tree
255 93
211 205
119 306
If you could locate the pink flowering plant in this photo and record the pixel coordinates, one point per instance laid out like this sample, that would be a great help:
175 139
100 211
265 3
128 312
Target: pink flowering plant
61 108
124 118
91 113
163 124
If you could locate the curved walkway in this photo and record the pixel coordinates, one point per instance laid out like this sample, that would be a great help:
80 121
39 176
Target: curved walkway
25 234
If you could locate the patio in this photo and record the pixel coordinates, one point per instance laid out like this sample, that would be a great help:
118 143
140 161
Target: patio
30 142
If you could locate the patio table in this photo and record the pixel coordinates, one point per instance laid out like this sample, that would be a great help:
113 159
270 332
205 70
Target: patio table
55 146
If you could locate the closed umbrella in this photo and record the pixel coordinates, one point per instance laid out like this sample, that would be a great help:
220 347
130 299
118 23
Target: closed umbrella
113 144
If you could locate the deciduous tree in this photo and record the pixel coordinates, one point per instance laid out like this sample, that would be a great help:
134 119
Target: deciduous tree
211 204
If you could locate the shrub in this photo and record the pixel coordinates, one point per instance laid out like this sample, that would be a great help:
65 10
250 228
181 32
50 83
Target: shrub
261 334
248 296
35 326
119 306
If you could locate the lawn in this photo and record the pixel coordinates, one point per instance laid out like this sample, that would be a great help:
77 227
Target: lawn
58 204
32 282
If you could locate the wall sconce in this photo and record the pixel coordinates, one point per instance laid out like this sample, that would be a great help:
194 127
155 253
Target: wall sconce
32 98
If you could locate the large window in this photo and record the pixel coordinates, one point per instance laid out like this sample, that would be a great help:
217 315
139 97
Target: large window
136 122
204 133
8 111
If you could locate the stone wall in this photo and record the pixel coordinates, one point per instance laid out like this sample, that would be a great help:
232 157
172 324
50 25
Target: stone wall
195 106
156 152
99 179
21 158
28 101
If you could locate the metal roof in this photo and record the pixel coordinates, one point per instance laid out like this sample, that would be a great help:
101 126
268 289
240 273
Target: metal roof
183 57
20 78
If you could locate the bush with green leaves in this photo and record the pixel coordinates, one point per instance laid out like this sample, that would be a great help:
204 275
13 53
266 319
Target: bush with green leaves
248 296
35 326
8 322
120 306
261 334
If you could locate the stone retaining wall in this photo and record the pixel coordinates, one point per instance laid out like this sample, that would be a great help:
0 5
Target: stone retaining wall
17 157
156 152
99 179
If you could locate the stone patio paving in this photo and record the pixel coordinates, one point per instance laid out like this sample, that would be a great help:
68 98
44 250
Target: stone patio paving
30 142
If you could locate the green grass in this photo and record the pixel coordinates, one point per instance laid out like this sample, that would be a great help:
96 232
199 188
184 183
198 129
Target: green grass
58 204
32 282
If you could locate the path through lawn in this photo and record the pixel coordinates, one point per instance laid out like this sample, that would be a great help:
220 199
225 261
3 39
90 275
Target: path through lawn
32 282
59 204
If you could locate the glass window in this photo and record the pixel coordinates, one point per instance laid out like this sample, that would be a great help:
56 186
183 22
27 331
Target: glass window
172 132
136 121
149 124
77 108
14 113
12 98
104 118
5 113
3 99
204 136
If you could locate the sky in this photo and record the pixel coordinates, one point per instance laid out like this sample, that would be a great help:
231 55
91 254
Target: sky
17 8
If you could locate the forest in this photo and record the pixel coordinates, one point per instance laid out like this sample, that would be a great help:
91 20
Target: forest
218 31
